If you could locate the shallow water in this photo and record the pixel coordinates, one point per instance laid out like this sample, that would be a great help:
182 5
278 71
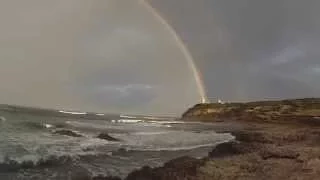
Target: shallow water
30 148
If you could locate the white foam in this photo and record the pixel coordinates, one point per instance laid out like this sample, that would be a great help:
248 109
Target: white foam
181 148
153 125
124 116
171 140
73 113
30 157
100 114
3 119
151 117
129 120
169 122
95 142
151 133
87 124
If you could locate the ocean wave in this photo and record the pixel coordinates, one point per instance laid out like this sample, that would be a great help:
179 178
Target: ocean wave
127 149
41 125
33 125
152 118
79 124
2 119
73 113
171 140
124 116
156 125
27 162
181 148
129 120
94 143
169 122
151 133
67 132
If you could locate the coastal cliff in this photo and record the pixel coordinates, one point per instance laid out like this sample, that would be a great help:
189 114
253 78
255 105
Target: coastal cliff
285 111
277 140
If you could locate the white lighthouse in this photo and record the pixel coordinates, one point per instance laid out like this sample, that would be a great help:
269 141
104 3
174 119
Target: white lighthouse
220 101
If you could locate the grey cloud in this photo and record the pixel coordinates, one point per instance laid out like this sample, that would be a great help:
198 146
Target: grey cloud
251 49
316 70
132 96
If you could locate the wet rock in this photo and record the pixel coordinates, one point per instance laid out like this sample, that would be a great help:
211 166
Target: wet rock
80 174
106 178
183 168
252 136
107 137
145 173
67 133
225 149
278 153
234 148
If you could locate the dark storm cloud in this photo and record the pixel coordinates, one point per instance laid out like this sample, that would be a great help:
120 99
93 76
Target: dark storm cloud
251 49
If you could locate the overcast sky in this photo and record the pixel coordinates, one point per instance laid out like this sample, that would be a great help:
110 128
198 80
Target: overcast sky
251 49
113 56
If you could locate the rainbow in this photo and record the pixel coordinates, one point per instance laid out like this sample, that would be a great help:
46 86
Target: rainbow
185 51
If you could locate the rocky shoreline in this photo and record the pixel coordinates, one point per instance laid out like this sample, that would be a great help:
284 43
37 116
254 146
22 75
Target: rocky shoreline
278 140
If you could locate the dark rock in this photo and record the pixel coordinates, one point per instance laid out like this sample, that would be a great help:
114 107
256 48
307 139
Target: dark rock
252 136
278 153
68 133
145 173
234 148
185 161
106 178
107 137
80 174
225 149
122 150
183 168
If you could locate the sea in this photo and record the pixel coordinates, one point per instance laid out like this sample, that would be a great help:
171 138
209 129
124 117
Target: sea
34 143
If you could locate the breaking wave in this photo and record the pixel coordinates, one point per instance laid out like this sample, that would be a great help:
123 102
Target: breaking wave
180 148
171 140
41 125
27 162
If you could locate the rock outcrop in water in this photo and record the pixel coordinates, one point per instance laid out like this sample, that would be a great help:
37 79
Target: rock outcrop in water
67 133
279 140
106 136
